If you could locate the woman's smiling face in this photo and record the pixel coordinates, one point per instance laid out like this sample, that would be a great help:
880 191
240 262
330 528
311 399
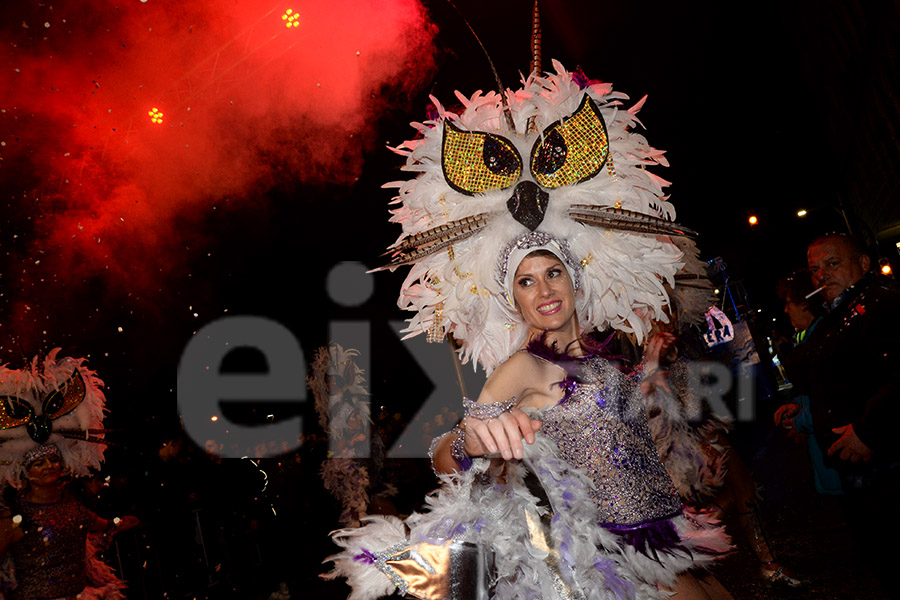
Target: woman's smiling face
543 292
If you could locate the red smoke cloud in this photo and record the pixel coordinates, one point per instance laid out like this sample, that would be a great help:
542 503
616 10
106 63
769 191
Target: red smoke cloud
97 192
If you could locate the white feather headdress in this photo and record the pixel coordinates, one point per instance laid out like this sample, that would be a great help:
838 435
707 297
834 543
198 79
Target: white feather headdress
609 209
53 401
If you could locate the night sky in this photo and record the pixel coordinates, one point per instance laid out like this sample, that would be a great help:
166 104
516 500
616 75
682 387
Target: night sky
121 237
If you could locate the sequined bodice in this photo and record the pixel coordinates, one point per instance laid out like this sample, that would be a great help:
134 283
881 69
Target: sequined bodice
50 559
601 428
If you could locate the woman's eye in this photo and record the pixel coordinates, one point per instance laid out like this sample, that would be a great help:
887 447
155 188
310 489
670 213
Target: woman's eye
524 282
553 273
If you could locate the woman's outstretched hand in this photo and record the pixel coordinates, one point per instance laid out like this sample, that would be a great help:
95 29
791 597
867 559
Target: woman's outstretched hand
503 434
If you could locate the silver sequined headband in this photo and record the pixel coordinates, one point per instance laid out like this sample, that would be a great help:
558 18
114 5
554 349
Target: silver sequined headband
39 452
524 245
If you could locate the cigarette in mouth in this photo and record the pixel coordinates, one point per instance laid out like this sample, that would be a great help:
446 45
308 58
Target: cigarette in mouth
814 292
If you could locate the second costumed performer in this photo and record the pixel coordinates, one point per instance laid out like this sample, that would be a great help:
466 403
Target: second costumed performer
51 429
534 223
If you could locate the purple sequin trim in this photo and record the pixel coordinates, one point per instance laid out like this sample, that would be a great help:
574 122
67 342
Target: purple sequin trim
591 345
649 537
568 385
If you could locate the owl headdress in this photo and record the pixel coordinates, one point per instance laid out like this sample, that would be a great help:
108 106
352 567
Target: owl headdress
51 401
558 162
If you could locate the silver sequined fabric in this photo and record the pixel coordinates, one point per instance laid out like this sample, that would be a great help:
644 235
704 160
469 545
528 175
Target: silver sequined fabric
602 430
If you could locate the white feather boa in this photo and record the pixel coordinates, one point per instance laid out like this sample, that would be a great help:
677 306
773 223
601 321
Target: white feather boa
479 507
684 431
342 403
103 584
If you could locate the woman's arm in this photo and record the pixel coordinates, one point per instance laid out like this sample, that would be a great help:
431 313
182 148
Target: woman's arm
501 434
114 526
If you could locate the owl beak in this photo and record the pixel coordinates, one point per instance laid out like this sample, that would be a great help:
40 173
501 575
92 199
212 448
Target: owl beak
528 204
39 428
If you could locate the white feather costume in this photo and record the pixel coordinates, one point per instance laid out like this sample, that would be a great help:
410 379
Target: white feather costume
342 403
58 402
684 431
557 163
518 547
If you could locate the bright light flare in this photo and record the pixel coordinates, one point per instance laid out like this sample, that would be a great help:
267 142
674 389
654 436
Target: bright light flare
753 220
155 116
291 19
886 269
801 213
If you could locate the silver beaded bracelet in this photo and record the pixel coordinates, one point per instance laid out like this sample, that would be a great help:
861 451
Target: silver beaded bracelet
433 448
457 449
488 411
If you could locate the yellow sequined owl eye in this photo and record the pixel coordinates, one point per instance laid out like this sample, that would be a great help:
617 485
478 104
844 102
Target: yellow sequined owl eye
14 412
475 162
571 151
65 398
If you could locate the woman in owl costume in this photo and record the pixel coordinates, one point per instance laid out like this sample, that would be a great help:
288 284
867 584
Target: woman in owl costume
51 425
533 220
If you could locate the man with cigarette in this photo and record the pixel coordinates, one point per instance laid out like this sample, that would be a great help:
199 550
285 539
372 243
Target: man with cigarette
850 367
854 352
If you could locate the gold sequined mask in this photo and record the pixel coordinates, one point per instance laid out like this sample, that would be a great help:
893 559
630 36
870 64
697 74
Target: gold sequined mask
573 150
16 412
569 152
476 162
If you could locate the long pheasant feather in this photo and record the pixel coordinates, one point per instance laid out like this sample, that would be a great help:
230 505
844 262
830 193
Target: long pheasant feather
626 220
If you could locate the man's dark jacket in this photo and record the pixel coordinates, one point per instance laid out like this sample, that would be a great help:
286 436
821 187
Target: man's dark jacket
850 367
